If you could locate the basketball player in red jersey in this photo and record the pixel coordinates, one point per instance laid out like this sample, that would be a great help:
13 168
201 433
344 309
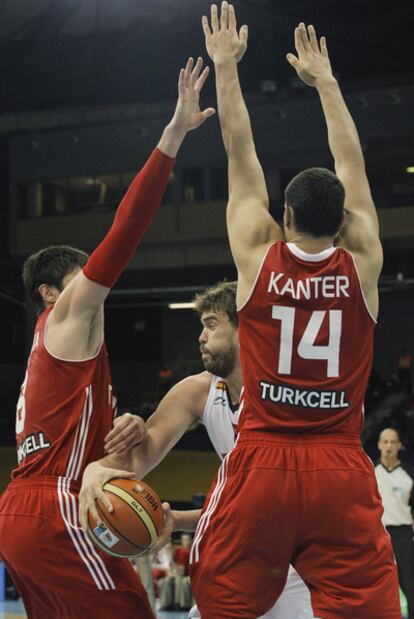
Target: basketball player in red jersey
210 398
297 487
67 404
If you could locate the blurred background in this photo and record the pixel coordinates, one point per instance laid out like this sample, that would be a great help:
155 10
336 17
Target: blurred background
87 87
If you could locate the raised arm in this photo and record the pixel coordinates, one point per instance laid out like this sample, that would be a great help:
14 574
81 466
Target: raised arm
76 323
250 225
176 413
360 234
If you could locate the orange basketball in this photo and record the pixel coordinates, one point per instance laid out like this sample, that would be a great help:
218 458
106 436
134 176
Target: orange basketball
135 523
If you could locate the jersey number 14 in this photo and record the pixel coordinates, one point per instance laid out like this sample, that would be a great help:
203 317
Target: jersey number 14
307 349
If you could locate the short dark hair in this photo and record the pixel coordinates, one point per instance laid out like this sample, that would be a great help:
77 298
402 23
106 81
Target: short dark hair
393 430
317 198
49 266
219 298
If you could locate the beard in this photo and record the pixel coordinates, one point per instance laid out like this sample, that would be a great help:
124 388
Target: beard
221 364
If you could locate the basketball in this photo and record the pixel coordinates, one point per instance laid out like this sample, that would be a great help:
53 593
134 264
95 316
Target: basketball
135 523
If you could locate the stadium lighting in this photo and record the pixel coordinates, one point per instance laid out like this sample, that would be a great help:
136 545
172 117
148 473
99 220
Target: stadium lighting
181 305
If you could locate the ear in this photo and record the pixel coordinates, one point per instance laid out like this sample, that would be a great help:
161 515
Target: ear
288 216
342 224
285 216
49 294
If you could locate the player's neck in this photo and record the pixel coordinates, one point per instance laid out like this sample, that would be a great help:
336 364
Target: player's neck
390 463
234 384
311 245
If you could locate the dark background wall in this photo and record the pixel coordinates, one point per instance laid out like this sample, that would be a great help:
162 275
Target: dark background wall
88 89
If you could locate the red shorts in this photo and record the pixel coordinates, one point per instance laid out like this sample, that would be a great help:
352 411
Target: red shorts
309 501
55 567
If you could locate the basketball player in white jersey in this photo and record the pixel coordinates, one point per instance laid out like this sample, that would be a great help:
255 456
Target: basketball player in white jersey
210 398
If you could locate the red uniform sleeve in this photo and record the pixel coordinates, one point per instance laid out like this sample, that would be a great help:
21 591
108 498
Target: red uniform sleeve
133 217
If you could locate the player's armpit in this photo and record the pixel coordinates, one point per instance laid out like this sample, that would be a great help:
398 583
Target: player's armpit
360 236
250 236
81 299
360 231
75 335
358 197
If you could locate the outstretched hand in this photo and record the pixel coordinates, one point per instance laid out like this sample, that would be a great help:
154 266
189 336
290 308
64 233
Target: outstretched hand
188 114
312 62
223 42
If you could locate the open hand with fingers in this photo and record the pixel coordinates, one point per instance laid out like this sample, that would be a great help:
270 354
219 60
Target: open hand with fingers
223 42
168 528
188 114
94 478
312 62
128 430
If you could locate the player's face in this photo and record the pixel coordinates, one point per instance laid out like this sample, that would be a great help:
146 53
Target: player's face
219 343
389 444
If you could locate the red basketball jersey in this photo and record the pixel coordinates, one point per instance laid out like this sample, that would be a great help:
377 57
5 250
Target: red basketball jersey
306 342
64 411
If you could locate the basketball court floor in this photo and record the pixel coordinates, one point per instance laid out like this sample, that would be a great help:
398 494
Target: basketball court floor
15 610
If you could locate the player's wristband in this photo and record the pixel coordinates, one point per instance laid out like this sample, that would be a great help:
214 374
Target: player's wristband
133 217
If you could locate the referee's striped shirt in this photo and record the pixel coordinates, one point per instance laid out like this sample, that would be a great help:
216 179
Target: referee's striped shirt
396 487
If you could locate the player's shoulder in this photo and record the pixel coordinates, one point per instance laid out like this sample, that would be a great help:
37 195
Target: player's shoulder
194 389
202 380
408 468
378 466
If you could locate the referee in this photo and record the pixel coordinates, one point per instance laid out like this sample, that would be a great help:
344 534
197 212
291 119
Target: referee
396 485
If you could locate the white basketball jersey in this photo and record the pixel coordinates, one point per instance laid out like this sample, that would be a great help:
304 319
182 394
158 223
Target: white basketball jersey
220 417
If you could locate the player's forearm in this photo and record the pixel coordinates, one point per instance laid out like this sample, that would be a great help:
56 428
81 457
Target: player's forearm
186 520
134 215
234 117
343 137
120 461
246 178
148 454
141 459
172 138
